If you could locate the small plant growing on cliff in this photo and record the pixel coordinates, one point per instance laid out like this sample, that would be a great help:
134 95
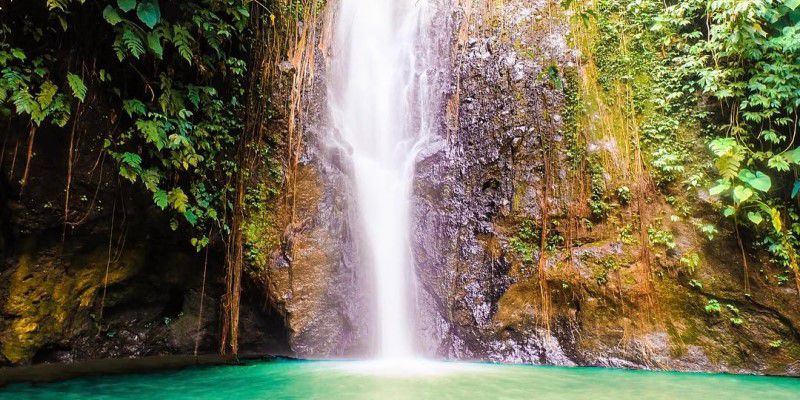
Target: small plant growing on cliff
709 230
713 307
660 237
691 262
736 319
624 195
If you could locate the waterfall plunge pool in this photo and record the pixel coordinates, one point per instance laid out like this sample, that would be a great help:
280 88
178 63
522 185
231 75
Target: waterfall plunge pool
291 379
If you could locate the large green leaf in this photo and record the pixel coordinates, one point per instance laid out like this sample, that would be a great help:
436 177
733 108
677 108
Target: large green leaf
149 12
741 194
793 155
755 217
126 5
721 186
154 42
757 180
111 15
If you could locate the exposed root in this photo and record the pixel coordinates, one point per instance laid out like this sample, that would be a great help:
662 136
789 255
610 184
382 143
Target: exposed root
31 137
70 152
202 297
108 266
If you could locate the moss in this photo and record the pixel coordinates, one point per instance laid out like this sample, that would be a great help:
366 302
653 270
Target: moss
602 267
517 306
262 229
46 301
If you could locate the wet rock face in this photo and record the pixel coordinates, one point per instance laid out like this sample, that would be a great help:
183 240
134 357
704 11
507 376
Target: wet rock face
314 277
486 167
500 162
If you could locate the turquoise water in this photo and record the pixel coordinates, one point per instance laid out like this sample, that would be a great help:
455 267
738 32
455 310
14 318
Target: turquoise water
286 379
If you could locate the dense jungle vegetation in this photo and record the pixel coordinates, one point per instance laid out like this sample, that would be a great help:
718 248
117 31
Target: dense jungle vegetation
729 70
173 77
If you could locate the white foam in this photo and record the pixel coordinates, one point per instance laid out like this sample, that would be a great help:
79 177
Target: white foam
407 367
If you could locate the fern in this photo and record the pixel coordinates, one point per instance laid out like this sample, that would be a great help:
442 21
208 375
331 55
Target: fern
178 199
78 87
132 41
729 164
183 42
24 102
46 94
134 107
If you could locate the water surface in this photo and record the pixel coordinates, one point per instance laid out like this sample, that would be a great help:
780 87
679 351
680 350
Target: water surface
285 379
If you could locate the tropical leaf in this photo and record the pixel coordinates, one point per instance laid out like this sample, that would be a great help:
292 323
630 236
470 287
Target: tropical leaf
728 165
793 156
154 42
111 15
78 87
149 12
755 217
190 216
778 162
757 180
776 220
57 4
741 194
132 159
126 5
721 186
722 146
151 178
46 94
183 42
132 42
134 107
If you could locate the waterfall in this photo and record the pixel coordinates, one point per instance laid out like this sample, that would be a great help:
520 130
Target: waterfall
378 91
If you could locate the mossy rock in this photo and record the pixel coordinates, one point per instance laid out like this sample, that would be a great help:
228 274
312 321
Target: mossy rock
47 299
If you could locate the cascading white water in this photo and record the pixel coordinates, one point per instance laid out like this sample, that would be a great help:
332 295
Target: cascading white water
377 92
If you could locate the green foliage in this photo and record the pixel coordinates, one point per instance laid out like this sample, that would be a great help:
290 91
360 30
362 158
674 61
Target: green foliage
730 70
660 237
713 307
175 70
598 205
736 318
603 267
691 262
745 57
624 195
